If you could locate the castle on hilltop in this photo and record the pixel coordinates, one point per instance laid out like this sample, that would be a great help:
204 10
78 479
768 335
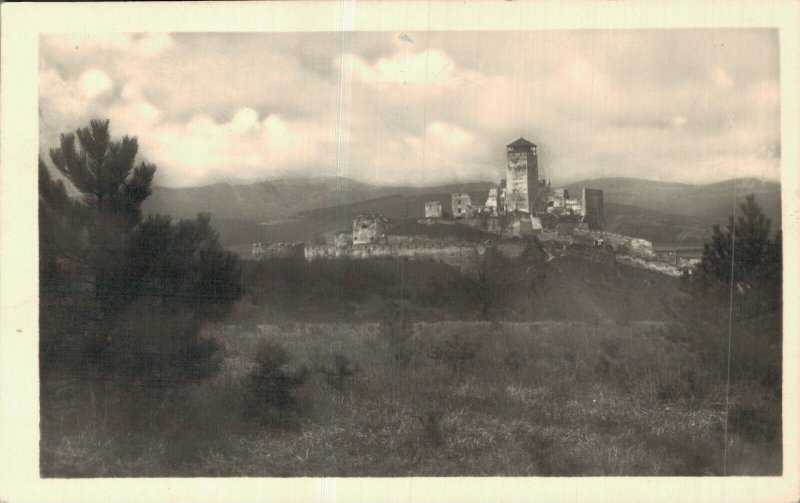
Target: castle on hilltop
522 205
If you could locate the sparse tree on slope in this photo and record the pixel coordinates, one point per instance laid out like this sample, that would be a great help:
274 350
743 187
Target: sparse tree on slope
112 191
155 282
733 313
744 257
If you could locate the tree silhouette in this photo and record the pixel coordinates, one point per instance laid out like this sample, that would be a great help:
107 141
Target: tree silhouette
732 316
112 190
742 255
154 282
104 172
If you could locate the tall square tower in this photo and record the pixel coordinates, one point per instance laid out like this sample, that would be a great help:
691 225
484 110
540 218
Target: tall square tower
522 177
592 208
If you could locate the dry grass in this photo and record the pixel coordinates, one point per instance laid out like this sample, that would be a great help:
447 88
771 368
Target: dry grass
536 399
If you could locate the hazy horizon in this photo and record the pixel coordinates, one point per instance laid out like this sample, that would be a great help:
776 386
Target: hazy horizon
555 183
424 109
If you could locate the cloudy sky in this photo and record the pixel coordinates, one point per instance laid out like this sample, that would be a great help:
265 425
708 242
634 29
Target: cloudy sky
425 108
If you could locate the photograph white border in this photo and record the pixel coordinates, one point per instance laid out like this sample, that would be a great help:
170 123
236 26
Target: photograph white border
22 25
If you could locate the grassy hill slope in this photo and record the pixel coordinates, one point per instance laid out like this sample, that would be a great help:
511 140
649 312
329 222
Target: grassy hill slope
710 202
563 289
298 209
282 198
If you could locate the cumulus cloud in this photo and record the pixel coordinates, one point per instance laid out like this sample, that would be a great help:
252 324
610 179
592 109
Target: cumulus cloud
429 67
239 148
425 108
94 82
721 78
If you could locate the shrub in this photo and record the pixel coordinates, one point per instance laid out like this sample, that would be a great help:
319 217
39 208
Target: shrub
455 352
270 395
609 362
513 361
685 385
339 371
124 297
396 329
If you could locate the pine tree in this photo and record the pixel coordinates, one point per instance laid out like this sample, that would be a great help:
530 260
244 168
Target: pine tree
743 256
154 282
732 315
112 191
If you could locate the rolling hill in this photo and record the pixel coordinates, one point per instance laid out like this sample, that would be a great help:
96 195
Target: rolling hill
281 198
704 203
299 209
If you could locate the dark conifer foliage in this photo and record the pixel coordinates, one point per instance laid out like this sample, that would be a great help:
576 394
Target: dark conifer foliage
733 315
104 172
743 254
126 296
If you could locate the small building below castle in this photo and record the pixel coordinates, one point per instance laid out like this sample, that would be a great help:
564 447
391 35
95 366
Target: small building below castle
343 240
461 204
370 229
433 209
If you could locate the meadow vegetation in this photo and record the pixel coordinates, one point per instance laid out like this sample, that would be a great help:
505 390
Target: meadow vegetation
470 398
162 354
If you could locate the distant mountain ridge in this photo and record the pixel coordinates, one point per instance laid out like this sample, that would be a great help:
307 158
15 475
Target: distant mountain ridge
280 198
298 209
283 198
711 203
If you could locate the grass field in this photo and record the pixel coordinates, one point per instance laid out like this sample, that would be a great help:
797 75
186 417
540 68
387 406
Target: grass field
454 399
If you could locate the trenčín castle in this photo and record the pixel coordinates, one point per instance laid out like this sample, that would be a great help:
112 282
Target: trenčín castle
521 207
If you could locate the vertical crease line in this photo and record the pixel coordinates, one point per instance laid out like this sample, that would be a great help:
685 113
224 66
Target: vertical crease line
425 90
730 332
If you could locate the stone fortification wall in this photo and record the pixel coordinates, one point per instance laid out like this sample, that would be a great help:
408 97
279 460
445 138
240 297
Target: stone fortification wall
397 239
278 250
636 247
463 255
506 226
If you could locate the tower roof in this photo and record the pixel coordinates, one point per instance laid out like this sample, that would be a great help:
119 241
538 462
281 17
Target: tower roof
522 142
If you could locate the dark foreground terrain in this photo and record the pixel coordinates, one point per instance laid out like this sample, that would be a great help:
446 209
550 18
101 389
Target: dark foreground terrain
370 375
507 399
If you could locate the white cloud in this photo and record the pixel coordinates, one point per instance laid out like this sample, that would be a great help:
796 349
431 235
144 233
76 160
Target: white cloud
133 114
58 95
240 106
422 68
721 78
245 147
94 82
243 121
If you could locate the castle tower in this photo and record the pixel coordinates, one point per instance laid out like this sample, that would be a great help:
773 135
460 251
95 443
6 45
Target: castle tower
522 177
592 208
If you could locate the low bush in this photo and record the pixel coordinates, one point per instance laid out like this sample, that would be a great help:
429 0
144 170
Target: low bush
686 385
339 371
513 361
456 352
270 393
396 329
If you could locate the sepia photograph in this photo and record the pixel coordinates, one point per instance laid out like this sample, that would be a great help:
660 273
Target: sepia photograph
409 253
422 254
